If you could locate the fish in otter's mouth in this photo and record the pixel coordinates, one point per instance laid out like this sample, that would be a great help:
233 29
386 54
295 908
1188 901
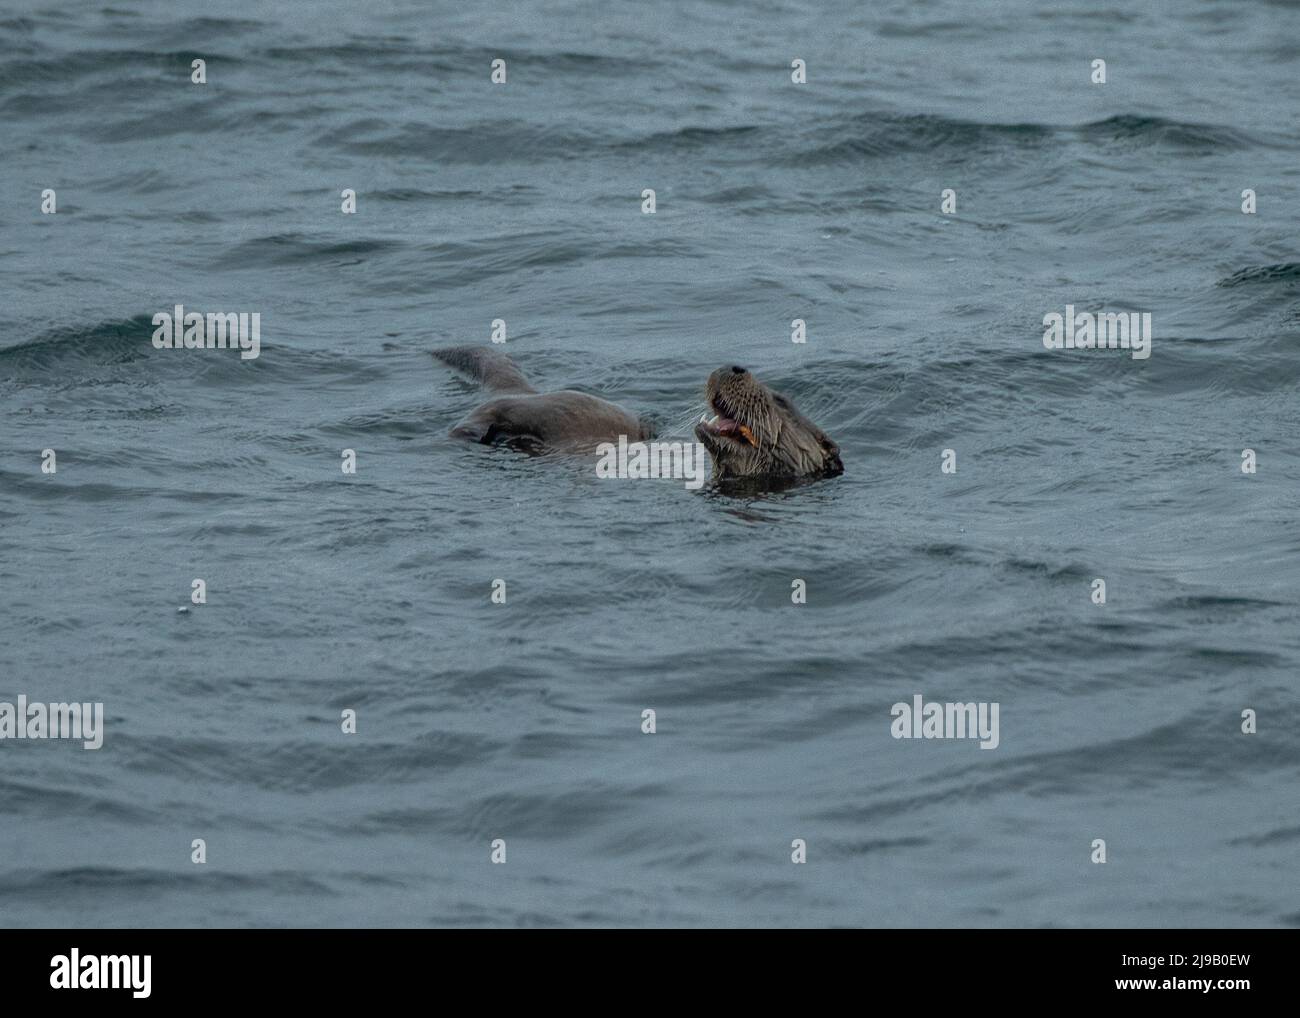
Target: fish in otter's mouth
757 432
724 426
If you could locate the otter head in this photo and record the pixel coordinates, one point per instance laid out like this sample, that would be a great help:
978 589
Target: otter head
758 433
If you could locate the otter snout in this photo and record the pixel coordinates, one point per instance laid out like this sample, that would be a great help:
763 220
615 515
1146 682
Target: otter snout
725 375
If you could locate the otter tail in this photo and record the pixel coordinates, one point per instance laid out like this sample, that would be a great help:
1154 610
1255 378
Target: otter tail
490 367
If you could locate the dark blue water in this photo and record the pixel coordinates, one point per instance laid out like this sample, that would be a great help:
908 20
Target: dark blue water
775 201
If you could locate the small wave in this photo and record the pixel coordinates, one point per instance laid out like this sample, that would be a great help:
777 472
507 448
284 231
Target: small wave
42 884
1276 836
1284 272
1217 601
491 142
114 342
397 51
69 69
1173 133
99 354
876 134
690 139
295 249
873 135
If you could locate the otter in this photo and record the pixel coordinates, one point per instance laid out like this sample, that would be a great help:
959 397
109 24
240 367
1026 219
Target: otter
535 421
756 434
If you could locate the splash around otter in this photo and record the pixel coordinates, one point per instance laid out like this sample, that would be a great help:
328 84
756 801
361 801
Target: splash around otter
756 435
